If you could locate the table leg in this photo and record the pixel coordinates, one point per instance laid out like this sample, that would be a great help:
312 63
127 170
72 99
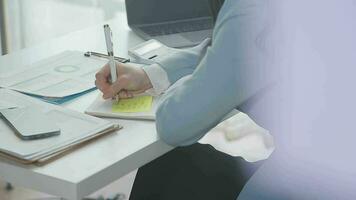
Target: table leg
9 187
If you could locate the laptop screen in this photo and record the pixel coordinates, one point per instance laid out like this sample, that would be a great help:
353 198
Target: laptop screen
155 11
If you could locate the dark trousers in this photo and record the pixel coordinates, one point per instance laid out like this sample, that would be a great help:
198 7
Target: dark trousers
194 172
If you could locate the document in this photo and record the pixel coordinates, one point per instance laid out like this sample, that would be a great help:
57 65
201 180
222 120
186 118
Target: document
136 104
68 73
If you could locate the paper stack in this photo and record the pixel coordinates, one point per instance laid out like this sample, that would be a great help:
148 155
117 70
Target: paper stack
76 128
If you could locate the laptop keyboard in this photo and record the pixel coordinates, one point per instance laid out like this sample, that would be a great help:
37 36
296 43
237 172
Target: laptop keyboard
177 27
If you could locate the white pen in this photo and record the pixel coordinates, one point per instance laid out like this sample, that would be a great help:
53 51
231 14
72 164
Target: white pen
110 48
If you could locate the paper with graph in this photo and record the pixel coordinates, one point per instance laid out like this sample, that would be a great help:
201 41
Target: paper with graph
65 74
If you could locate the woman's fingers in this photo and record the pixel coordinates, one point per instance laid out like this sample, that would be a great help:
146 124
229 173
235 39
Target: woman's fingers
136 92
101 78
124 94
103 84
121 84
129 81
103 74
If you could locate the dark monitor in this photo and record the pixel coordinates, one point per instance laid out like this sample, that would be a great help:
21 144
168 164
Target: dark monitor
156 11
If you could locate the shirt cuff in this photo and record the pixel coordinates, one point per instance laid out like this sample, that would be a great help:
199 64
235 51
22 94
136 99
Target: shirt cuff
159 79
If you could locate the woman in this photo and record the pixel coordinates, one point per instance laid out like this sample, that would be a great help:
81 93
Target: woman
219 75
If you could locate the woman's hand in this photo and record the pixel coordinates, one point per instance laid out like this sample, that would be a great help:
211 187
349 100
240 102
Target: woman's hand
131 80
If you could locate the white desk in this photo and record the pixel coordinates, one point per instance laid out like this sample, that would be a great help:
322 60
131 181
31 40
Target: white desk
98 164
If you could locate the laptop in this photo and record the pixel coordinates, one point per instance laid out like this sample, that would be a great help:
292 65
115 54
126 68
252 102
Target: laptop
175 23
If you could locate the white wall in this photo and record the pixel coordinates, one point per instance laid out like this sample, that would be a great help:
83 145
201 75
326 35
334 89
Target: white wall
35 21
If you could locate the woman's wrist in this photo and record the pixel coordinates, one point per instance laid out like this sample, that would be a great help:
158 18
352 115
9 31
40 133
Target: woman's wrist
146 82
158 79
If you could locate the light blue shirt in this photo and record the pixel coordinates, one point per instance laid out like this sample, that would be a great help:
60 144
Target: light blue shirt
229 72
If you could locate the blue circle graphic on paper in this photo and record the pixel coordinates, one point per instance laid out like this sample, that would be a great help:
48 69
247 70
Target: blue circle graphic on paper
66 68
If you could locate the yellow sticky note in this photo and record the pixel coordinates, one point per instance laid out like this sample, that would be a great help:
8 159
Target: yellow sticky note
136 104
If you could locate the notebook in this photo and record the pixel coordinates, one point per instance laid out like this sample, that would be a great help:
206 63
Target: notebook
142 107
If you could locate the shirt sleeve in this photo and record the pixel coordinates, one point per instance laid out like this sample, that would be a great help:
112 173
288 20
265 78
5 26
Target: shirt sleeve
229 73
183 61
158 78
167 70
